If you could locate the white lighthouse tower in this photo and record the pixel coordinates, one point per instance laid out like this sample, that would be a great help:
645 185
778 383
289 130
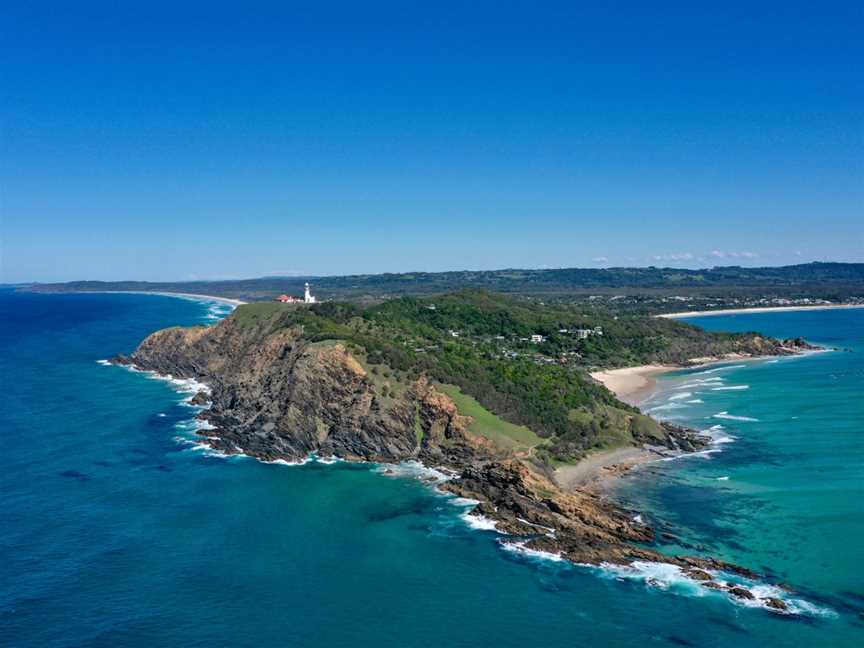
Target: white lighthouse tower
307 296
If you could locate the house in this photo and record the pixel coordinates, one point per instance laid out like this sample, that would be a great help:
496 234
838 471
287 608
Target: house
454 333
536 339
288 299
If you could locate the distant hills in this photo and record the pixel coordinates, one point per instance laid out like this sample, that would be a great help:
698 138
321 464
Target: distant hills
834 281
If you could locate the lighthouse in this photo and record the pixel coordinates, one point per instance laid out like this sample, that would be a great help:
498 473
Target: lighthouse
307 296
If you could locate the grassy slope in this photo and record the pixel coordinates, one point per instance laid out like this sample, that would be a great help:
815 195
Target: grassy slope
501 432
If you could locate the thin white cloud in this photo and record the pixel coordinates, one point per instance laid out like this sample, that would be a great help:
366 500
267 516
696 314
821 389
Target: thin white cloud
722 254
600 259
679 256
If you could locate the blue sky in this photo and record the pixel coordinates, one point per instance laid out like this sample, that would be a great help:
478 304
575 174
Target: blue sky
148 141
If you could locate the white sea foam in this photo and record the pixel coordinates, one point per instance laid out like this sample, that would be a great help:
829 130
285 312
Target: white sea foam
328 461
638 519
732 417
685 394
463 501
716 369
690 385
413 469
285 462
520 548
695 401
104 363
731 388
723 479
654 574
671 578
479 522
701 454
161 414
667 406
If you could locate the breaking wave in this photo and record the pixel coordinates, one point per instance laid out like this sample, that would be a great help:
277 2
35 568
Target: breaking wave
520 548
716 369
731 417
672 579
685 394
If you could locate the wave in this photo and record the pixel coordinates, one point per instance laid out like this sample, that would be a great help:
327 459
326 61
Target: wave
732 417
521 549
218 310
479 522
723 478
716 369
285 462
731 388
695 401
685 394
672 579
413 469
667 406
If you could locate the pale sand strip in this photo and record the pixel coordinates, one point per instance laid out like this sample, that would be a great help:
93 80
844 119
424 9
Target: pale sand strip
221 300
633 385
760 309
598 471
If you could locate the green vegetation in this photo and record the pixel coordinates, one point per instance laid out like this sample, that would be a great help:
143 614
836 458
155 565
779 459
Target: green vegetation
478 345
486 424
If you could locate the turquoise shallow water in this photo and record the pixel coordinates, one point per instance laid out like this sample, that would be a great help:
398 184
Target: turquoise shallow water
117 532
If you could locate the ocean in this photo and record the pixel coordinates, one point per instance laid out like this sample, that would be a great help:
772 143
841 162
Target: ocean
117 530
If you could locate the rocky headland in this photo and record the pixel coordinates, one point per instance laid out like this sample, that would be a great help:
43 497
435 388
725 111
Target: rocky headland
274 394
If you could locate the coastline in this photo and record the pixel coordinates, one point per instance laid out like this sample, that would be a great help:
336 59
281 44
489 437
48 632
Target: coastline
632 385
756 309
599 472
196 296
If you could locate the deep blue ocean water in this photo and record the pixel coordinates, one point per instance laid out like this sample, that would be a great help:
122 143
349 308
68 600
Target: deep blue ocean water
117 532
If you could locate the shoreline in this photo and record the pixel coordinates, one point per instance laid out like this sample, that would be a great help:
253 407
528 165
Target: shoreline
196 296
599 472
756 309
632 385
636 385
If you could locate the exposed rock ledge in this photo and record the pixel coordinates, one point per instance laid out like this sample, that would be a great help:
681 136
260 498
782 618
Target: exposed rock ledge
276 396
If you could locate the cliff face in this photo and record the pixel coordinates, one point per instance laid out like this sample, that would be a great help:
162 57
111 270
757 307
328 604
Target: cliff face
275 395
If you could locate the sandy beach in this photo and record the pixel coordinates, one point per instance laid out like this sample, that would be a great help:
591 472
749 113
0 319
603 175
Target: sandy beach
761 309
221 300
599 471
633 385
